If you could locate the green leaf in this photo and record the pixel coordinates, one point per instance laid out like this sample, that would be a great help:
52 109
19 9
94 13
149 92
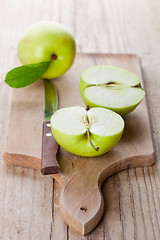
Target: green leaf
25 75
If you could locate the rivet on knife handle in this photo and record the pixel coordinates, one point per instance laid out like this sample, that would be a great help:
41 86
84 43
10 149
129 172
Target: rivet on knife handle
49 151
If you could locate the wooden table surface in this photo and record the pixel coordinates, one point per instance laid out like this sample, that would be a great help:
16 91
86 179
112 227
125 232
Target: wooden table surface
132 197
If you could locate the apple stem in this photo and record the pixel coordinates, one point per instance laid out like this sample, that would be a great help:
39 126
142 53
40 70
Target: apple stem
87 108
54 56
88 135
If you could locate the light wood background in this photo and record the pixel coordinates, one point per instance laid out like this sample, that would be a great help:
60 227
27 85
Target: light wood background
132 197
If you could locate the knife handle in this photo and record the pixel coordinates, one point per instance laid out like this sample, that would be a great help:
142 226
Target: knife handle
49 164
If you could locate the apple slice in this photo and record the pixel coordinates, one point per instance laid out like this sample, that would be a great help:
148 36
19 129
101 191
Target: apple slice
86 132
111 87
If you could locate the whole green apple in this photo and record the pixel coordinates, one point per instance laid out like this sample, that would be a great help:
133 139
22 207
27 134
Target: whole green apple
45 41
86 132
111 87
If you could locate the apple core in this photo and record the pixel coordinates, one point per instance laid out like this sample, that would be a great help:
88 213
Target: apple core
88 124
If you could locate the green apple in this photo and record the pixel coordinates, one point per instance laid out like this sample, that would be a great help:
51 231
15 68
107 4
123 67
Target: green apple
111 87
45 41
86 132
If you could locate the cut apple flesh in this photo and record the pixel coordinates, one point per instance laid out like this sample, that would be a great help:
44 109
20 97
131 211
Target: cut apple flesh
111 87
71 125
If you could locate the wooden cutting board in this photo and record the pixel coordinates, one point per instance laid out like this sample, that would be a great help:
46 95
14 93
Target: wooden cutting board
80 179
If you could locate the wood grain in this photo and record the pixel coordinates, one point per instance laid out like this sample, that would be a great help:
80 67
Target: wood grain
125 26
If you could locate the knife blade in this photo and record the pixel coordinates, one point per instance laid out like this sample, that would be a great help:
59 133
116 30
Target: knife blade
49 164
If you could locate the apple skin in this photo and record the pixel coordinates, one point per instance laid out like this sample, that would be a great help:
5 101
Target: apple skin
79 144
122 111
41 41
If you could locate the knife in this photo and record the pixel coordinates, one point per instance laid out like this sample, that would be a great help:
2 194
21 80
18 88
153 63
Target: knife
49 164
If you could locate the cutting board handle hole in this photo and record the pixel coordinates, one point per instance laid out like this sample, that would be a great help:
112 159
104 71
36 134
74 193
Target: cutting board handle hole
83 209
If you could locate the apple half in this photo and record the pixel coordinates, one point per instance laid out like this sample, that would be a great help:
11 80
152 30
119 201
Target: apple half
111 87
86 132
